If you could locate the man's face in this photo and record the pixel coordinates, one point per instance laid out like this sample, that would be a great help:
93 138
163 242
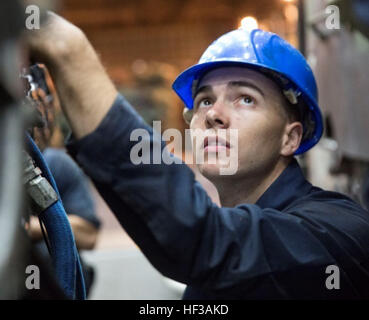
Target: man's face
238 98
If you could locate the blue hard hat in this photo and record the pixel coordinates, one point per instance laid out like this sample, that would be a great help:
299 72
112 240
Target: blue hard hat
273 56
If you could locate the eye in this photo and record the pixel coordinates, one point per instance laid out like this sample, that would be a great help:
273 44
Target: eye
247 101
204 103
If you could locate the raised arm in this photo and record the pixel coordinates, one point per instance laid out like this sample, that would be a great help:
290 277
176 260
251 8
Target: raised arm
85 90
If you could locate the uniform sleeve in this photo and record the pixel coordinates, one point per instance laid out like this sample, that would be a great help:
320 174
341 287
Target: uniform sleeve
174 222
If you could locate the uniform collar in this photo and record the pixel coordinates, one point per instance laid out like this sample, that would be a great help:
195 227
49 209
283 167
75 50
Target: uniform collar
289 186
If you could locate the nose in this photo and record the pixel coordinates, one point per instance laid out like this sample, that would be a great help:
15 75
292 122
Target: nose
217 117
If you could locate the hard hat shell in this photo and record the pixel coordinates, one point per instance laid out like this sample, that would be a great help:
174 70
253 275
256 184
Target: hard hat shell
265 52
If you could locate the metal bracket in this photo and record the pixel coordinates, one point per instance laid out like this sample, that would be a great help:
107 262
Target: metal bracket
38 188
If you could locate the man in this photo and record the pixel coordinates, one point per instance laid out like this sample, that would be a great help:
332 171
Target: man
275 235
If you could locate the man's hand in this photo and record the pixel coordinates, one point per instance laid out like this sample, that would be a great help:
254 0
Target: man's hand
85 90
85 233
33 228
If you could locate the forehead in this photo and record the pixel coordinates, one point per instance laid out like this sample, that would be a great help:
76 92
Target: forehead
225 75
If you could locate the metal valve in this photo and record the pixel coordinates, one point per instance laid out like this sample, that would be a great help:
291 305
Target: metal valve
38 188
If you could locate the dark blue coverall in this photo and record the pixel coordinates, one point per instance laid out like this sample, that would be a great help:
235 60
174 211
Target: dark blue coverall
278 248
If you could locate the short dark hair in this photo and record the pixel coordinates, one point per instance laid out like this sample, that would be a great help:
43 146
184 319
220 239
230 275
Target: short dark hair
294 112
301 113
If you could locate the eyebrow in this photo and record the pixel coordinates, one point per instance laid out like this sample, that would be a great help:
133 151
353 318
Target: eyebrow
203 89
245 84
229 85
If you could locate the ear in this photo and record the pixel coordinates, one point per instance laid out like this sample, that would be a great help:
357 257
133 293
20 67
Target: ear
187 115
291 138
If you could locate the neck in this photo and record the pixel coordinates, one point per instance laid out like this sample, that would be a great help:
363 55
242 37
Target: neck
238 190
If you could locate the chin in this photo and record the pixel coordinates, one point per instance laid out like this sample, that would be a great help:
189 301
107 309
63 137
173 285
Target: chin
216 167
213 172
209 170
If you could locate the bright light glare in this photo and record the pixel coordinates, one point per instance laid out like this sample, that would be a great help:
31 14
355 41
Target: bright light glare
248 23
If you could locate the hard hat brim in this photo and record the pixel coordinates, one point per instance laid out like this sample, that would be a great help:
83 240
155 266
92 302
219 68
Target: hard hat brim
183 86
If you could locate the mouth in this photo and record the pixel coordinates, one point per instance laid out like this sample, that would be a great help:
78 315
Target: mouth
215 144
